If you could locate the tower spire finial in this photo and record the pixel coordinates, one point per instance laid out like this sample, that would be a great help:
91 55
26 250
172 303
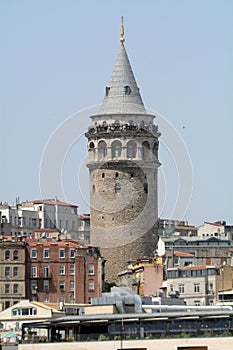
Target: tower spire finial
122 39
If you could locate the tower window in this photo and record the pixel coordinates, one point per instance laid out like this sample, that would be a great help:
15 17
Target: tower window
145 187
131 149
145 150
103 175
93 188
102 150
107 89
116 149
127 90
117 188
131 175
116 175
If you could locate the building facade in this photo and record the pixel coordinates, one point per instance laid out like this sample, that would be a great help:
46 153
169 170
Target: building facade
62 271
12 272
123 164
24 218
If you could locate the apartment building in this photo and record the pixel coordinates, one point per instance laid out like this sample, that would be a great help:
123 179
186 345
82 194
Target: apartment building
12 272
199 285
63 271
217 229
24 218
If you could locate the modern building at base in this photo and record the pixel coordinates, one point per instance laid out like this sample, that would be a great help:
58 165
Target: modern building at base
123 165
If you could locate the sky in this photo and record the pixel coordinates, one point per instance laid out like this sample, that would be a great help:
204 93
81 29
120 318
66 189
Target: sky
56 59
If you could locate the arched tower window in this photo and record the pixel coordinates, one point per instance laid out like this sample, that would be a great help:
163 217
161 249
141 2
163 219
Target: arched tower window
145 150
116 149
102 150
93 188
91 150
155 149
117 188
131 149
16 255
7 255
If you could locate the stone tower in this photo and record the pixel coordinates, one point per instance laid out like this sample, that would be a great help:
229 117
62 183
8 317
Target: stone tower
123 165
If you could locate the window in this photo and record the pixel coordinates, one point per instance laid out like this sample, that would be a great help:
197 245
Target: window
181 288
127 90
91 285
62 269
145 188
7 304
62 286
71 269
116 175
117 188
46 300
145 150
15 288
61 253
46 286
196 288
7 288
46 253
46 270
33 271
7 271
16 255
102 150
34 286
72 253
171 288
33 253
91 269
15 271
7 255
103 175
197 303
116 149
93 188
131 149
24 312
71 286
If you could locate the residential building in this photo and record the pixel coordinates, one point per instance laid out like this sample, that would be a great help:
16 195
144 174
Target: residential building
83 229
169 227
123 165
12 272
217 229
63 271
199 285
24 312
207 250
147 277
26 218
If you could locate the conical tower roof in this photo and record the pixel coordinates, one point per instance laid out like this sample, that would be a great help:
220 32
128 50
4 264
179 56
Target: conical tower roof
122 94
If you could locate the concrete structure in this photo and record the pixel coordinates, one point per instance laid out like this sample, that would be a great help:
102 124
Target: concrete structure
63 271
12 272
123 164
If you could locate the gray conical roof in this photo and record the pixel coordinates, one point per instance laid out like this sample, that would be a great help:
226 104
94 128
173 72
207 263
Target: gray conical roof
122 93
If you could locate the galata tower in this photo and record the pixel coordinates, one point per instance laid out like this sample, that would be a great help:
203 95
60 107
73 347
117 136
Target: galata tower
123 167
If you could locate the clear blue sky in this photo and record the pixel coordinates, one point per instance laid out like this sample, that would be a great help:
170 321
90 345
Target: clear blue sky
57 57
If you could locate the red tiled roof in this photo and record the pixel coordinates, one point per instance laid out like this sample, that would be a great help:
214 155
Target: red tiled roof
45 230
71 244
54 202
200 267
187 227
84 216
213 223
176 253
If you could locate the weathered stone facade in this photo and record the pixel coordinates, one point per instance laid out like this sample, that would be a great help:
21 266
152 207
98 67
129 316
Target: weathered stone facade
123 164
